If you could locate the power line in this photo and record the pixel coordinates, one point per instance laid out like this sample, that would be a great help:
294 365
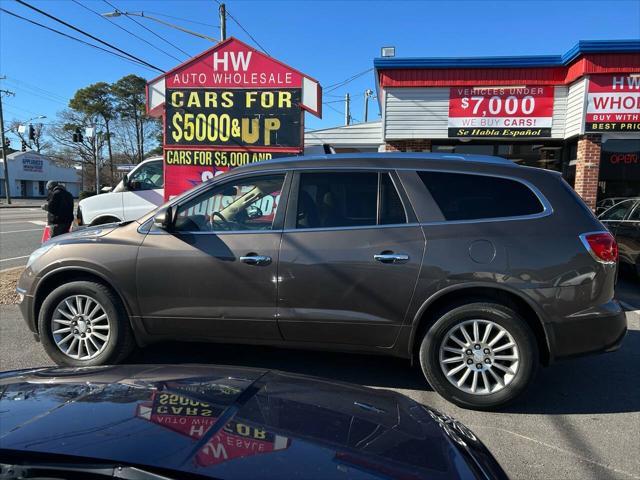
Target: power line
35 90
184 19
128 31
42 96
244 29
148 29
73 38
52 17
335 86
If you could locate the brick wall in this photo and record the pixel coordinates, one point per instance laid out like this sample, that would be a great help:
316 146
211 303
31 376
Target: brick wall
588 168
414 145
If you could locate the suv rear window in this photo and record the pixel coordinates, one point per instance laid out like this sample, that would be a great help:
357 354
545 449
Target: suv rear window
348 199
470 197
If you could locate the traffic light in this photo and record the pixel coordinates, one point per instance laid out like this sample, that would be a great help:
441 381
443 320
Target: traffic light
77 136
7 143
24 146
32 133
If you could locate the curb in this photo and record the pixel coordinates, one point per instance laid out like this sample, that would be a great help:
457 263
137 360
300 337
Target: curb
8 270
18 206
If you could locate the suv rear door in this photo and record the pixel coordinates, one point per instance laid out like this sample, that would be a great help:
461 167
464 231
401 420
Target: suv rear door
350 258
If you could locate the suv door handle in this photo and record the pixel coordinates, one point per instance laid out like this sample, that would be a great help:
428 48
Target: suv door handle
253 259
391 257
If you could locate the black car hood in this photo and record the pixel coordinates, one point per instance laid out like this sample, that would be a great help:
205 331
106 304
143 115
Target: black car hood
225 422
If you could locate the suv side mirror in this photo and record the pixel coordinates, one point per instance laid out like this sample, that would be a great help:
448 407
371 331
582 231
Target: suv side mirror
163 219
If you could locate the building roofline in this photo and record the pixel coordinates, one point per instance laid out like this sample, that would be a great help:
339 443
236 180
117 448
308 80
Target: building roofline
522 61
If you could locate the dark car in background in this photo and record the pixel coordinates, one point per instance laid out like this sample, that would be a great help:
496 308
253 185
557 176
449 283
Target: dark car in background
623 221
475 268
136 422
607 203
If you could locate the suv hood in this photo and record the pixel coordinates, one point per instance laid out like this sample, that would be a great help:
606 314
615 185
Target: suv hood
225 422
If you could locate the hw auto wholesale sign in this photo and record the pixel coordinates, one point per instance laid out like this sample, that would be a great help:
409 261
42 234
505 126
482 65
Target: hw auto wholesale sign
227 107
516 112
613 103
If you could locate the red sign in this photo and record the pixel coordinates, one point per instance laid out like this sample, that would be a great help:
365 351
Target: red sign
229 106
500 111
235 66
613 103
193 418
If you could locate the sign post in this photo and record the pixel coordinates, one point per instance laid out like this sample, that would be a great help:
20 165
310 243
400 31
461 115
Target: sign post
229 106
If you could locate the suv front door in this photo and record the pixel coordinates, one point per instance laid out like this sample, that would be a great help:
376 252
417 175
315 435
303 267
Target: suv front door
349 261
214 274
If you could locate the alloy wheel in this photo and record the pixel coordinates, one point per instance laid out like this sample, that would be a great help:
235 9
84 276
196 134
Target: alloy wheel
81 327
479 357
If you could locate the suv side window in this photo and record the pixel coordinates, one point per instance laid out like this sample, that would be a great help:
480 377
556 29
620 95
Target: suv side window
471 197
617 212
149 176
347 199
245 204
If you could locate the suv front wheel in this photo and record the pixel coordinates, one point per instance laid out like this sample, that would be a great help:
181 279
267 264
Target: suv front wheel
82 323
479 355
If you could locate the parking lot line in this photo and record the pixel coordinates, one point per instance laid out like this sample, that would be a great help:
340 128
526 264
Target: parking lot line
13 258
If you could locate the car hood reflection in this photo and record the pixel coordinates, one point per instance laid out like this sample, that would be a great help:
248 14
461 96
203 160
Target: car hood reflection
228 422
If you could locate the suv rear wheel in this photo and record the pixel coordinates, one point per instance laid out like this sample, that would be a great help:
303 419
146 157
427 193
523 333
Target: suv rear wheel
480 355
83 323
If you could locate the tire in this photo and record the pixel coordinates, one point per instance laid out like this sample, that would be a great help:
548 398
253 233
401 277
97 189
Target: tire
436 362
108 345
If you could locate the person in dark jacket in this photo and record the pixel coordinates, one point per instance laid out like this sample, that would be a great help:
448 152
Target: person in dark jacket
59 207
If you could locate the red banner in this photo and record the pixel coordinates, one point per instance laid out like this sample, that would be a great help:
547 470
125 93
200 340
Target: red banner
184 169
500 111
613 103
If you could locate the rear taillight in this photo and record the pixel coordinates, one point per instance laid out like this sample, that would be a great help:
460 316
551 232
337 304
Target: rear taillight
601 245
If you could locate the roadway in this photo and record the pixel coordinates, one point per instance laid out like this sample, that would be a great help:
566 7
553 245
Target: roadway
20 233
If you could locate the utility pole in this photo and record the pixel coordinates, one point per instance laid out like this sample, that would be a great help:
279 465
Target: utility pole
347 110
223 22
5 160
367 95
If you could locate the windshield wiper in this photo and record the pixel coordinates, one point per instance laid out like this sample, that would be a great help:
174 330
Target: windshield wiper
75 470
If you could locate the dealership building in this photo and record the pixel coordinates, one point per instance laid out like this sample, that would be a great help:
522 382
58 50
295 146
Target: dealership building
576 113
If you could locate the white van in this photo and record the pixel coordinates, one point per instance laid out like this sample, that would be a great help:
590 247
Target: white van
141 190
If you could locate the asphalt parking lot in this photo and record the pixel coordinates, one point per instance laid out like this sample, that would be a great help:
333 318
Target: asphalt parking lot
580 420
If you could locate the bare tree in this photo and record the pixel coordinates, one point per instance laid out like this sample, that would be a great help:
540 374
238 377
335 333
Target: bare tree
85 153
39 142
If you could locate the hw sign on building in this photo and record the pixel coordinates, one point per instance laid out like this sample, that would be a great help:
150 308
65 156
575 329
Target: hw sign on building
229 106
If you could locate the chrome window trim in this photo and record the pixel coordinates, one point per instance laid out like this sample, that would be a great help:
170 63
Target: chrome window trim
547 209
352 227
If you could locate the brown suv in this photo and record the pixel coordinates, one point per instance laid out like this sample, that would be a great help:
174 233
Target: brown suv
475 267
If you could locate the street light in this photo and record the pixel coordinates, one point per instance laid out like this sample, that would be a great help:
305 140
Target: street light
118 13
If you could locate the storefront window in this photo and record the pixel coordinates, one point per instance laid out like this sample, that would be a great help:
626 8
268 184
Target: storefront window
619 168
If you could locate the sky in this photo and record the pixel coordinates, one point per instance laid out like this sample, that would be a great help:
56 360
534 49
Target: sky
328 40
